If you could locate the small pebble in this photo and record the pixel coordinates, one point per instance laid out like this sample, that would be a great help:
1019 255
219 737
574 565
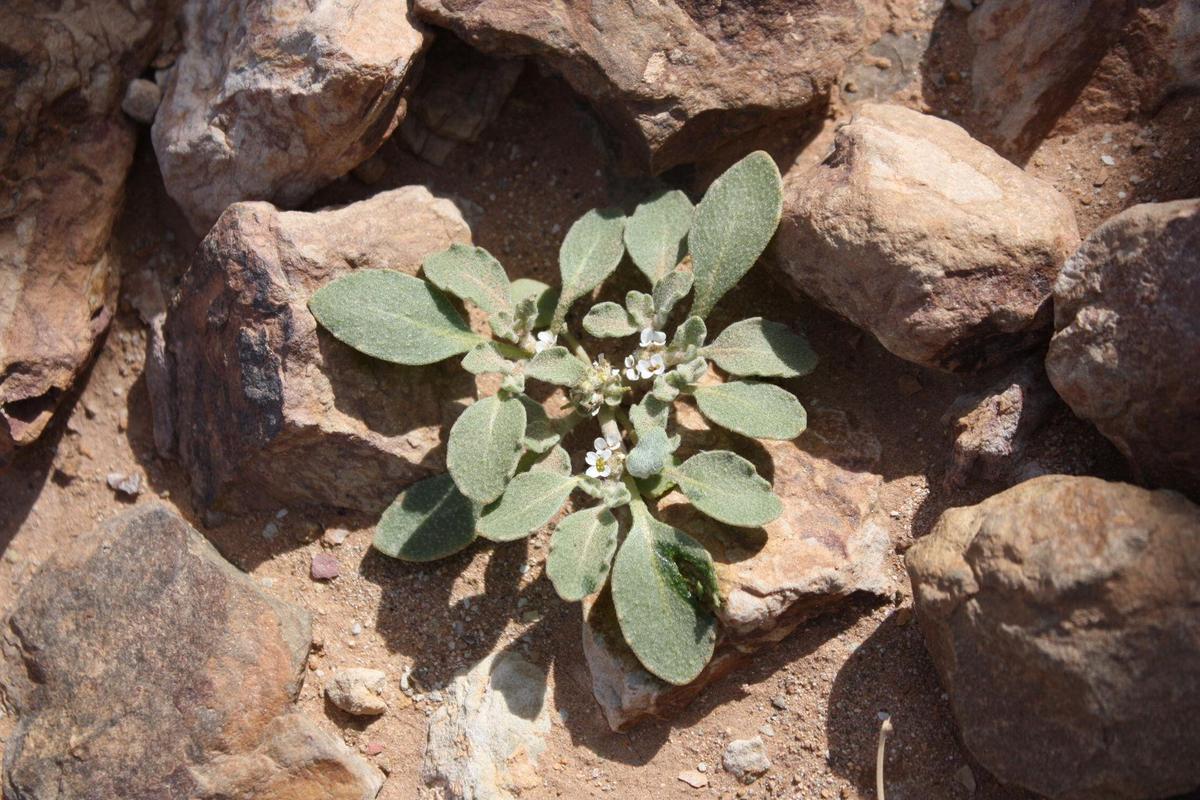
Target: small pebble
780 702
356 629
373 749
1108 160
128 485
693 779
335 537
270 531
325 567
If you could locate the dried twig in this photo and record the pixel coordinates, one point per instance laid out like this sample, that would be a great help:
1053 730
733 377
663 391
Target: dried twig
885 730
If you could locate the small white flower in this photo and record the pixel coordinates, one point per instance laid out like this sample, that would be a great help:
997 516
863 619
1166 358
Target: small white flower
654 365
631 370
651 338
545 340
600 460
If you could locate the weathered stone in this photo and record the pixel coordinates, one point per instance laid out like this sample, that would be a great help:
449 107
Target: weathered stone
746 759
1061 617
676 79
826 546
460 94
124 690
1126 308
357 690
141 101
269 411
271 99
324 567
485 740
926 238
992 428
64 151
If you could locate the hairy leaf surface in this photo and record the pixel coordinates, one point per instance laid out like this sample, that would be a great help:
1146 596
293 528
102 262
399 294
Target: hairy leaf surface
656 234
590 252
760 410
472 274
581 552
429 520
762 348
484 446
726 487
529 502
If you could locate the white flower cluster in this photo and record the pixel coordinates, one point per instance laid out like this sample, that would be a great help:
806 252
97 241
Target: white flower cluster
650 357
545 340
606 458
602 385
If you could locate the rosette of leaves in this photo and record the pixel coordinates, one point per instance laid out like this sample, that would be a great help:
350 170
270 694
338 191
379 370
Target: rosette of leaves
508 472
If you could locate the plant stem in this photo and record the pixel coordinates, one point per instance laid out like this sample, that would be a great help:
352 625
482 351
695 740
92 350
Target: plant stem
884 731
623 418
574 344
608 425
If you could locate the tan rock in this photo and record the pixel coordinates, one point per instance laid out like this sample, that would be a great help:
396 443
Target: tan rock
827 545
271 99
124 690
926 238
357 690
1126 308
270 412
676 80
1061 617
64 151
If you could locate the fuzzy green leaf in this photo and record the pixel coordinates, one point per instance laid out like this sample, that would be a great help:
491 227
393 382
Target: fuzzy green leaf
726 487
641 309
669 290
544 299
590 252
429 520
656 234
663 583
760 410
759 347
540 431
530 501
734 223
556 365
472 274
649 455
648 414
556 460
393 317
581 552
611 493
486 358
485 445
689 337
608 321
660 484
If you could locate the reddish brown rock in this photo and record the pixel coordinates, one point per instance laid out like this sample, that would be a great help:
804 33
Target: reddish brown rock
827 546
1127 314
926 238
124 690
65 148
1061 617
676 79
271 99
268 411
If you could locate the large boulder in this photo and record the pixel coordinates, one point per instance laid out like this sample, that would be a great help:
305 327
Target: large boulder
1061 617
827 545
64 151
926 238
271 99
268 410
676 79
1127 314
142 664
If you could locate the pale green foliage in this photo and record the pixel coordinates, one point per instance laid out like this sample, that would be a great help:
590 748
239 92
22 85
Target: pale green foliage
472 274
429 520
393 317
589 254
485 445
764 349
761 410
734 222
508 473
656 234
581 552
663 584
727 488
529 502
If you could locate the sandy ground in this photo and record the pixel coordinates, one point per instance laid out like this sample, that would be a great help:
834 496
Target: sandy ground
815 698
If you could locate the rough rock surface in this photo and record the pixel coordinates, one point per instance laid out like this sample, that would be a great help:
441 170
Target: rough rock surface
926 238
825 547
124 690
1061 617
485 741
992 428
271 99
677 79
357 690
1127 314
461 92
267 409
746 759
64 151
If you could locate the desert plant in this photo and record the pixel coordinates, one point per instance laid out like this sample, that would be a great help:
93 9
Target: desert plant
508 472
